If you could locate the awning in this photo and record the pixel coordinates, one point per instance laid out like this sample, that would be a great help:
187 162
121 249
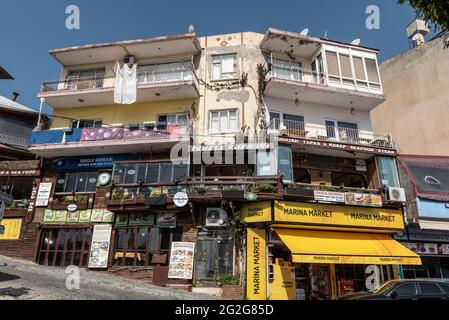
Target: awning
433 225
346 248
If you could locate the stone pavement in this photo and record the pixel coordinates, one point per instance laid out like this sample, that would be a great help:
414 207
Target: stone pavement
23 280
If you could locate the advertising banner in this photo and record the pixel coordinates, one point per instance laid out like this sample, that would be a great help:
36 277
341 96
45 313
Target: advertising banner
101 241
329 196
181 260
12 229
43 194
256 265
256 212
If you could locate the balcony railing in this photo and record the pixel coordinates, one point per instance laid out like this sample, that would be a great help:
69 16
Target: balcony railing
148 131
297 74
331 133
146 75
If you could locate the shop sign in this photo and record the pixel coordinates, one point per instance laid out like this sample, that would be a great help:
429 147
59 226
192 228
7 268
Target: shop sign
20 173
423 248
181 260
11 229
122 220
329 196
337 146
256 212
95 162
250 196
283 285
104 179
231 147
166 220
79 216
181 199
43 194
101 241
32 203
72 207
363 199
337 217
256 264
418 234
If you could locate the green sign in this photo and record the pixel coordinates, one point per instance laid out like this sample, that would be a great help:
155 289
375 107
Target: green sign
251 196
135 220
166 220
121 220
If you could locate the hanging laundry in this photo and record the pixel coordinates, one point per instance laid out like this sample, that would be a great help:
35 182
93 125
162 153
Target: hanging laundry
125 87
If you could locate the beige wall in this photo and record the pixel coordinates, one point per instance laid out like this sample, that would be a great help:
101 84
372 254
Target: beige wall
416 111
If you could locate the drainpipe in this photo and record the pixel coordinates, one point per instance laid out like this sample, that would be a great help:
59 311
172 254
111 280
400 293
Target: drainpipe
40 113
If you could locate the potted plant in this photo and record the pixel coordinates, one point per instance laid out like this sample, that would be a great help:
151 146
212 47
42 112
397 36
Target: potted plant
231 288
156 198
233 193
265 188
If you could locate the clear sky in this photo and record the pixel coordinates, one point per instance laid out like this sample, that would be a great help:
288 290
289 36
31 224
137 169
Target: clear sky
29 28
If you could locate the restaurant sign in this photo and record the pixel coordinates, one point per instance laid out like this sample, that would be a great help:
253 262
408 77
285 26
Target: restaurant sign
329 196
338 146
78 216
94 162
20 173
337 217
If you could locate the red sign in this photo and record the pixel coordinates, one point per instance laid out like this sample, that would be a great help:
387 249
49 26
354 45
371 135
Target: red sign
346 287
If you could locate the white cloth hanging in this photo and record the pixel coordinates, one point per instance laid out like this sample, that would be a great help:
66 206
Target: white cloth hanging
125 86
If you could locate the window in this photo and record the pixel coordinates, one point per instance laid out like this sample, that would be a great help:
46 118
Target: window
85 79
224 121
301 176
86 124
428 288
332 65
285 162
77 181
293 123
373 74
346 70
388 173
265 163
18 187
359 71
405 290
287 69
144 246
175 71
349 180
342 131
132 173
445 287
318 70
224 67
180 118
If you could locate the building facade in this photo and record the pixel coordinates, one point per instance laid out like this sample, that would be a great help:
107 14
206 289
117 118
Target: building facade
222 166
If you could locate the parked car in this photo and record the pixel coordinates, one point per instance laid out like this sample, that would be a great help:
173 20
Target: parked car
405 290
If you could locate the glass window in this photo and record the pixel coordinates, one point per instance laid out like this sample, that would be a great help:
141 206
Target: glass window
152 173
371 68
445 287
406 289
180 172
166 172
224 121
224 66
428 288
275 119
285 162
332 64
358 68
77 181
265 163
387 169
345 62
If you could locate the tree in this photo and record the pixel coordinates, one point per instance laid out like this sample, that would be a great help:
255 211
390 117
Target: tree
434 11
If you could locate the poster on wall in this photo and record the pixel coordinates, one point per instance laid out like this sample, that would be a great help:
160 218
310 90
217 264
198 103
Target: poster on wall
101 241
181 260
43 194
12 229
363 199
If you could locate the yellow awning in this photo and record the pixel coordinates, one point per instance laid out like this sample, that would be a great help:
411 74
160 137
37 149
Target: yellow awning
346 248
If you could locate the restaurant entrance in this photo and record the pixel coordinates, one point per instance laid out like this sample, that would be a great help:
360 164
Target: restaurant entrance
65 247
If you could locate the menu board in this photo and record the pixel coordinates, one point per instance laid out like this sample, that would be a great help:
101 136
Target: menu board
363 199
97 215
43 194
83 216
145 219
73 216
181 260
101 241
12 229
166 220
61 216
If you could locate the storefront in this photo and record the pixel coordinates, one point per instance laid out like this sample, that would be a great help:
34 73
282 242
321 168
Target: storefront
321 251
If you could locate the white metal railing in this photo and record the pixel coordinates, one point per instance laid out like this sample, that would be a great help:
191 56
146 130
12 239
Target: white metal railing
330 133
297 74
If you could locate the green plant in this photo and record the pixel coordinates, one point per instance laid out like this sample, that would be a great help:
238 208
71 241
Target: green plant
201 190
265 188
229 280
118 195
82 199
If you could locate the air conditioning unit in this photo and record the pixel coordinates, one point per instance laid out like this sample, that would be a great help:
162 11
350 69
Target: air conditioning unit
215 217
396 195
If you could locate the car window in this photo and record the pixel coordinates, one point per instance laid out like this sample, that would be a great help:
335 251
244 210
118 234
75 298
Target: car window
428 288
445 287
405 289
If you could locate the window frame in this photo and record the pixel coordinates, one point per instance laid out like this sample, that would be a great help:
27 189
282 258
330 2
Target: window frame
228 129
136 169
67 173
96 123
234 74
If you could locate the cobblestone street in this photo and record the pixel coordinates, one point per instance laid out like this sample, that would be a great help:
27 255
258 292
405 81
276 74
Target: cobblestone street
21 280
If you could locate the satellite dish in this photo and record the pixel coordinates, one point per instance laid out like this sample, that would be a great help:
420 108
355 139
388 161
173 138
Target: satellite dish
356 42
305 32
191 29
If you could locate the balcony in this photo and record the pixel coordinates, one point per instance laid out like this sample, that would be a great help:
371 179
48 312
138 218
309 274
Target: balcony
108 140
155 82
314 87
308 131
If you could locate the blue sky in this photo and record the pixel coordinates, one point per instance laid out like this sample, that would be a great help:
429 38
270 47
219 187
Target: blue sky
29 28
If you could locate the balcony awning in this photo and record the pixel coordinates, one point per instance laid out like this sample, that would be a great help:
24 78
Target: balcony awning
346 248
433 225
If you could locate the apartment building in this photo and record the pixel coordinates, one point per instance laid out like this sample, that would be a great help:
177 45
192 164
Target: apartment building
297 162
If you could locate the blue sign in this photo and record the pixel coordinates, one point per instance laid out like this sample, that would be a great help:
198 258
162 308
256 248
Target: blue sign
433 209
92 163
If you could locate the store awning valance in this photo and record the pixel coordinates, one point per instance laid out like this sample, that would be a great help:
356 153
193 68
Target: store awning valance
325 247
433 224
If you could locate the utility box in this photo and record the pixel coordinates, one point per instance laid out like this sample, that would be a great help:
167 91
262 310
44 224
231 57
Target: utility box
417 27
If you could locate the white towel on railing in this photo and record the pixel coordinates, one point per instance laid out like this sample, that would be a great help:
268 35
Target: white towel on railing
125 87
